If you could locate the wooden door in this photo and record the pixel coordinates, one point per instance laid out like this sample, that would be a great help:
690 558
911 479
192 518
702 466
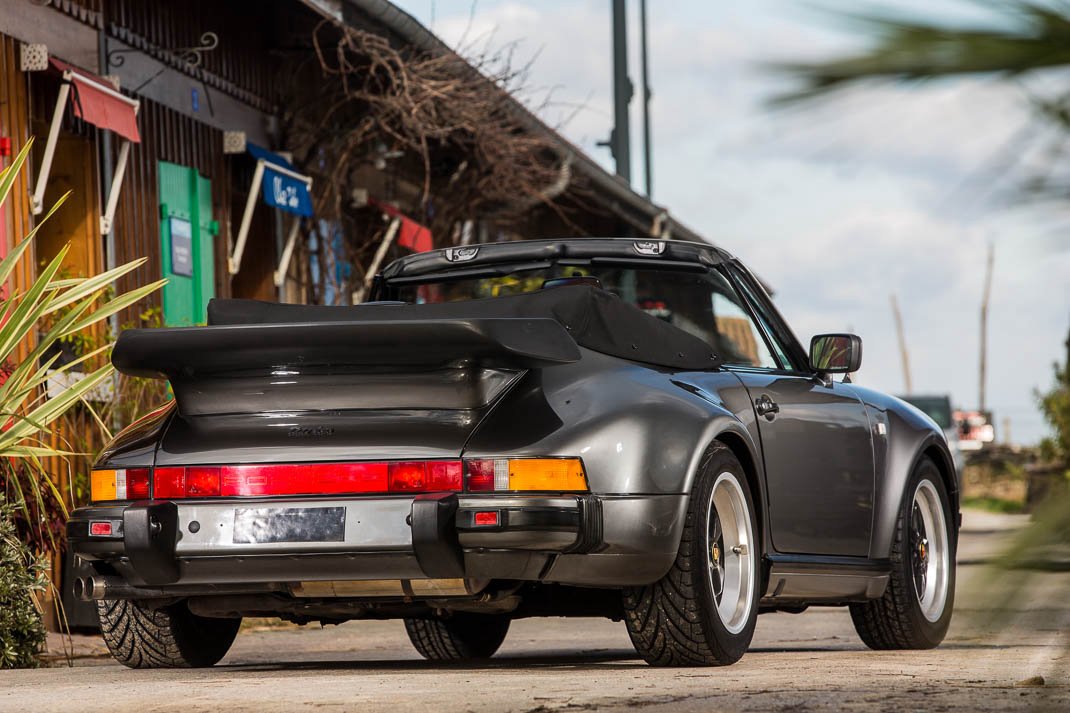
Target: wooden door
78 221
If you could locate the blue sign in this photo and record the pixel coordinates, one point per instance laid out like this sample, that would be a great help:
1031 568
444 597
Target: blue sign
280 190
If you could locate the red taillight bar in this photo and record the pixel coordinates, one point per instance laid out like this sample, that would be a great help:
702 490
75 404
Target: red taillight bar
308 479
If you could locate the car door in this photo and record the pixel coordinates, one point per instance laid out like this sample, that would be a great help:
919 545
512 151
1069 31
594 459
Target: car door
814 433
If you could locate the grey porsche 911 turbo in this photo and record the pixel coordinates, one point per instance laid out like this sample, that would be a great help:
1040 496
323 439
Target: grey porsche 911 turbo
588 427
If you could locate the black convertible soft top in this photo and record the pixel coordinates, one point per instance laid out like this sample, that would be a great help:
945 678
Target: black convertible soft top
594 318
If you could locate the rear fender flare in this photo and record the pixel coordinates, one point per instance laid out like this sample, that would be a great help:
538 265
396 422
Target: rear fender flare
727 430
724 428
135 445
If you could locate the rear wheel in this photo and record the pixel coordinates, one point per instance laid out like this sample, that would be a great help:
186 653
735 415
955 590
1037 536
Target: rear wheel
703 612
169 637
915 611
462 636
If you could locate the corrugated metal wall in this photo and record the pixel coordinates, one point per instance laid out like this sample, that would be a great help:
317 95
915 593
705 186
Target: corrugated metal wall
243 63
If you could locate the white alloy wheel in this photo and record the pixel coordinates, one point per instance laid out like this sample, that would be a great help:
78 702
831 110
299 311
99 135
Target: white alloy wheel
732 552
930 553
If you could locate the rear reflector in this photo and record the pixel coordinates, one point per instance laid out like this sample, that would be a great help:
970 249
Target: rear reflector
100 528
561 475
488 518
128 484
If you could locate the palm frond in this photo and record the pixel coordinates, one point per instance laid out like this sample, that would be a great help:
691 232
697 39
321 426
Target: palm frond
52 308
1023 36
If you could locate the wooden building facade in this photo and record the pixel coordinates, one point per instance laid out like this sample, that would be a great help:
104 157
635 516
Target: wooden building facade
207 81
209 77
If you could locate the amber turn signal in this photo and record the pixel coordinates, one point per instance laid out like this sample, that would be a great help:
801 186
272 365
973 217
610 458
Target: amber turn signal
125 484
559 475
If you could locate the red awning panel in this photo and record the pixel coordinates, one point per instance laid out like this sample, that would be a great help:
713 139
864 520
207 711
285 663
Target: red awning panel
96 102
411 235
414 236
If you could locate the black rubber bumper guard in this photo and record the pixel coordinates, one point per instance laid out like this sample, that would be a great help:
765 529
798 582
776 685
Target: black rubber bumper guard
437 520
145 533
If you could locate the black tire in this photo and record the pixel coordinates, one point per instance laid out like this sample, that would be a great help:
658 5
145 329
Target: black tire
674 621
170 637
896 620
461 637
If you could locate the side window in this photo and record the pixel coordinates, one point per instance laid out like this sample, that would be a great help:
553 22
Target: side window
763 318
741 341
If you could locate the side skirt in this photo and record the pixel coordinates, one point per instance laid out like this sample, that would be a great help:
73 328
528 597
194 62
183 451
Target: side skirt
808 579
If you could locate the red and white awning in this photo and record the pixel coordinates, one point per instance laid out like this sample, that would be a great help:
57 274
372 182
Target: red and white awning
96 102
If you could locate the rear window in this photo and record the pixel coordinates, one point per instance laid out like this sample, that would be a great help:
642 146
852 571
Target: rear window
703 304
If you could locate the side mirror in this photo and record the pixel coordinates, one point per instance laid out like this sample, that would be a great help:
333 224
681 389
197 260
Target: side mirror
836 353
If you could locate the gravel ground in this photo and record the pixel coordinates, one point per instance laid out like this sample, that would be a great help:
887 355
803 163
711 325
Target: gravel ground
1013 659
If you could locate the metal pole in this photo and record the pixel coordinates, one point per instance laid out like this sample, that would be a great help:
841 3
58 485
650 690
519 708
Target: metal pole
105 163
620 140
111 260
984 330
647 166
907 381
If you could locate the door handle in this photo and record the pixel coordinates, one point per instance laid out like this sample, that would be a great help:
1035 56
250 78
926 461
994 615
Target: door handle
765 406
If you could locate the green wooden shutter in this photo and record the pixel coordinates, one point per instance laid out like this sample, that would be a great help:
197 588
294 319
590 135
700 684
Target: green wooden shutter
186 244
204 247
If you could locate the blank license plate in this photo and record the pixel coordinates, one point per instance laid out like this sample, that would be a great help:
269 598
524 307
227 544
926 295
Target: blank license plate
264 525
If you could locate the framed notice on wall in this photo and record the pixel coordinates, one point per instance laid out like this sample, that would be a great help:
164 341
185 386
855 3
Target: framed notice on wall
181 247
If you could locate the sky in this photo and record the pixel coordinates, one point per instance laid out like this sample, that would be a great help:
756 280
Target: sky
836 205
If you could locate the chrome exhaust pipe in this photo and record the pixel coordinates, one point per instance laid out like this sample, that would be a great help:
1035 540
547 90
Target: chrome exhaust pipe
89 589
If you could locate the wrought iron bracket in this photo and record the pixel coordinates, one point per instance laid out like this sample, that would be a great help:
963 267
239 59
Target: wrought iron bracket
190 56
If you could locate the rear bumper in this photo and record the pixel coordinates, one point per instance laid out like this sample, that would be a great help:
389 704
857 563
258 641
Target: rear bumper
590 540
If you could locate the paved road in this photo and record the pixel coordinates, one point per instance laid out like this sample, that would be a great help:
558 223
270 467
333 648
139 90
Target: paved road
810 661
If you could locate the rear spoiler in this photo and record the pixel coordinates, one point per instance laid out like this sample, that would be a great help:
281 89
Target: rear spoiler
499 342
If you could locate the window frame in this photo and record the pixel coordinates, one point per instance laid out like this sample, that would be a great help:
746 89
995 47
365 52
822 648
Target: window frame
769 321
747 311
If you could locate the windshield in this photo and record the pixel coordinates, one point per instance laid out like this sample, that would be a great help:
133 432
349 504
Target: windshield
703 304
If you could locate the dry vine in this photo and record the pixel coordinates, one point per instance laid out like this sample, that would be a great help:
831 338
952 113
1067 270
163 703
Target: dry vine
455 123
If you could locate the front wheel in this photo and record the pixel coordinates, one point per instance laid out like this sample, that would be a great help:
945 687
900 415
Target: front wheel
703 612
915 611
